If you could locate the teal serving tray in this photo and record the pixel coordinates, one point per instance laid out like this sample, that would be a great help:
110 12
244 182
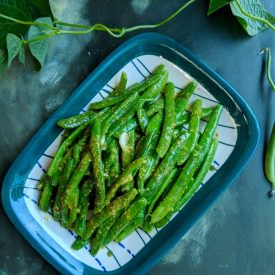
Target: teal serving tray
238 131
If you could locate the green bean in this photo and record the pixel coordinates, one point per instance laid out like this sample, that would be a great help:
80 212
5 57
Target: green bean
149 81
108 101
121 223
75 121
155 107
83 207
182 99
42 182
98 167
127 145
112 163
139 146
193 184
126 176
193 129
66 174
121 85
76 178
118 204
73 203
151 93
270 161
62 150
169 120
196 158
167 181
131 227
142 118
164 168
44 202
79 243
129 125
120 110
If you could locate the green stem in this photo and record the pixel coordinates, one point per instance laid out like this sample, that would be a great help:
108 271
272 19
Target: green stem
36 23
268 67
253 17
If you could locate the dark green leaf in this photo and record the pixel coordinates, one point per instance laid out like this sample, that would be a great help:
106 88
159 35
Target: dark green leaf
3 61
253 7
39 8
22 56
215 5
14 44
39 48
16 9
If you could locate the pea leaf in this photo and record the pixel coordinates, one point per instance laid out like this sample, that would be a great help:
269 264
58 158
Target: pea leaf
215 5
22 55
14 44
39 48
253 7
16 9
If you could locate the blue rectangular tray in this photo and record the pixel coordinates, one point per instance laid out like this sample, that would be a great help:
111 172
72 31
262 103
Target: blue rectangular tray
144 44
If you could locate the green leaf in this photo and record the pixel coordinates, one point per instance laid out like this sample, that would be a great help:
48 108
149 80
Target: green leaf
215 5
39 48
39 8
3 61
16 9
22 56
255 8
14 44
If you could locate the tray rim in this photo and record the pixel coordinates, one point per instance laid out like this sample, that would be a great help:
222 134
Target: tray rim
121 50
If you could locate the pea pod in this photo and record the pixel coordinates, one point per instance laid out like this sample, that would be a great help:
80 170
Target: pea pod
196 158
83 207
117 205
119 111
121 223
169 121
44 201
76 178
131 227
193 129
151 93
270 161
73 203
126 176
164 168
167 182
112 163
129 125
98 168
182 99
121 85
142 118
155 107
62 150
127 145
193 184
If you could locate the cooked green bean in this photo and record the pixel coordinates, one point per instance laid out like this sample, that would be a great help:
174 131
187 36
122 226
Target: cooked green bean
164 168
169 120
129 125
142 118
118 204
131 227
193 184
121 223
155 107
62 150
193 129
83 207
167 181
98 167
121 85
74 203
193 163
126 176
44 201
270 161
182 99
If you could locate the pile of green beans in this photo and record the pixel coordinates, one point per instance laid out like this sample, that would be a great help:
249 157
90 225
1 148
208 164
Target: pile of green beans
129 161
